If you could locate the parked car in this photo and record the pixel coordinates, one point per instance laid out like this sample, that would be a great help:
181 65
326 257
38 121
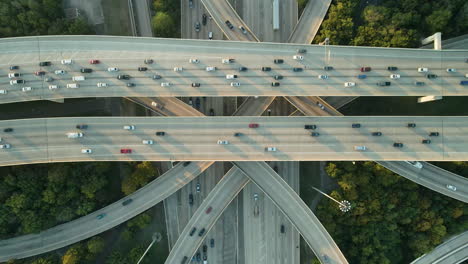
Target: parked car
282 229
5 146
198 187
194 61
130 84
210 68
86 151
39 73
147 142
14 74
100 84
59 72
223 142
212 242
14 67
26 89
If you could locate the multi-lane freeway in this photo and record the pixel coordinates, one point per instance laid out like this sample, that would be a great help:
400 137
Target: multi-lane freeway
203 138
127 54
115 214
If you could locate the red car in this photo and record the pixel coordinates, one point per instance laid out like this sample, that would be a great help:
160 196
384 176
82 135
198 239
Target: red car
253 125
208 210
94 61
366 69
39 73
126 151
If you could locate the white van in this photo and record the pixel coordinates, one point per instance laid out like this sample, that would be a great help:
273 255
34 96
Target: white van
67 61
73 85
78 78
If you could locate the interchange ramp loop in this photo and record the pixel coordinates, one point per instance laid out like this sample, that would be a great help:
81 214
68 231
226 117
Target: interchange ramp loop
218 199
452 251
300 215
88 226
310 21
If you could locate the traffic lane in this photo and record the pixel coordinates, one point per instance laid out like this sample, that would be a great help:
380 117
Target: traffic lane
451 251
295 209
309 22
90 225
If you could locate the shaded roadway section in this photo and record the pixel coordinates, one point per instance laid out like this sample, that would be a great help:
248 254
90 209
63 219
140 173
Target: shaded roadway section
88 226
452 251
295 209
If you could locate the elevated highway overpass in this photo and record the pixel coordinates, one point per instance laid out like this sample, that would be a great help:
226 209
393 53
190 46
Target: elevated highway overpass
195 138
452 251
128 54
88 226
310 21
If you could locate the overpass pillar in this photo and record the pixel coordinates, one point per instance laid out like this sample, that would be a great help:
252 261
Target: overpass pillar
57 100
437 39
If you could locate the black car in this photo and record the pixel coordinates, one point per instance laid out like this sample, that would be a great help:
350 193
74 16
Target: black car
238 134
156 77
160 133
278 77
192 231
142 68
266 68
384 83
378 134
301 51
14 67
356 125
126 202
130 84
123 77
275 84
149 61
282 229
186 163
398 145
296 69
45 63
426 141
184 260
190 199
86 70
310 127
278 61
204 19
205 257
315 134
9 129
202 231
392 68
328 68
82 126
212 243
412 125
211 112
434 134
242 69
419 83
431 76
205 248
195 84
228 23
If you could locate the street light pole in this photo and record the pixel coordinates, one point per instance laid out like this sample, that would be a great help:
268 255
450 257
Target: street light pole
344 205
156 238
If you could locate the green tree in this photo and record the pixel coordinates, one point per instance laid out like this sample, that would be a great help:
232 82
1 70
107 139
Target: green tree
163 25
73 255
141 221
95 245
438 20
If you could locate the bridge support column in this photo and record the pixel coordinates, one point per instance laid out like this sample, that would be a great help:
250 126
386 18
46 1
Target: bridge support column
437 39
61 101
429 98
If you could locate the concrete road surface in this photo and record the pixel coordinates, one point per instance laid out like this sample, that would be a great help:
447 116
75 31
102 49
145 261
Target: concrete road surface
452 251
310 21
116 213
295 209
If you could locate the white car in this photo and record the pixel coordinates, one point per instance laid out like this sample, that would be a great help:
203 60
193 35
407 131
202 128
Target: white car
255 196
59 72
321 106
395 76
86 151
67 61
165 84
3 91
349 84
323 77
423 69
360 148
298 57
210 68
74 135
416 164
53 87
26 89
451 187
227 61
101 84
147 142
129 127
73 85
270 149
235 84
451 70
113 69
5 146
231 76
223 142
14 74
194 61
178 69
